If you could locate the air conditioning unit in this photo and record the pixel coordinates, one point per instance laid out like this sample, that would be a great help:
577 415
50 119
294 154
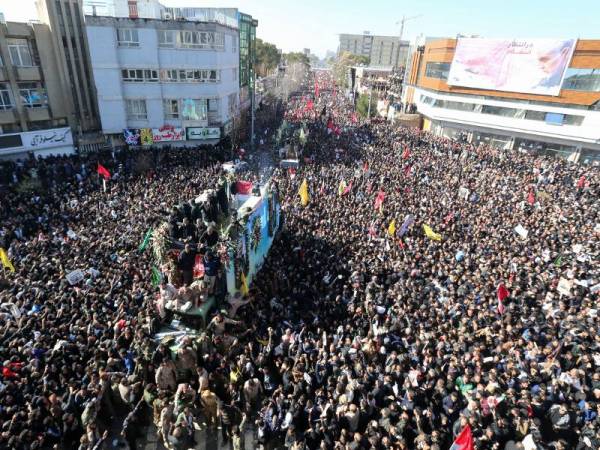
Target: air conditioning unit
168 16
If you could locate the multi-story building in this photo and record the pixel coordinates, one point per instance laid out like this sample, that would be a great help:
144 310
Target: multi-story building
556 113
242 44
69 40
247 28
382 51
34 111
163 80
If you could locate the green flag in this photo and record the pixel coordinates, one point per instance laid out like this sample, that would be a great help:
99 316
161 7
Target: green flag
146 241
156 276
558 261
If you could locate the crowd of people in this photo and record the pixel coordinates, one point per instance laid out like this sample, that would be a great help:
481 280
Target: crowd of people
363 330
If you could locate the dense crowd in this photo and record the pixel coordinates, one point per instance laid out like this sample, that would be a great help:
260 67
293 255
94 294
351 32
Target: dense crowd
361 331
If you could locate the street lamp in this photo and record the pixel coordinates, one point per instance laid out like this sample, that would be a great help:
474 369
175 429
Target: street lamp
401 23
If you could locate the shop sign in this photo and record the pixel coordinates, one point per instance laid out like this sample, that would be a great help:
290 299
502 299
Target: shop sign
203 133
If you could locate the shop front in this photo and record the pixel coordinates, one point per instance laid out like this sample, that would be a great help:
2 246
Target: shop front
54 141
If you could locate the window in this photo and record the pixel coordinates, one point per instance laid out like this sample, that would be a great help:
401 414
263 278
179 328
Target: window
133 10
448 104
213 105
169 76
136 109
194 109
573 120
234 44
437 70
32 96
535 115
139 75
201 39
171 108
151 75
5 100
234 74
20 53
582 80
128 37
499 111
166 38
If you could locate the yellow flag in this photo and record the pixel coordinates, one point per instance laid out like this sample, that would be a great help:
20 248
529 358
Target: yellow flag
392 228
5 261
341 187
431 234
303 192
244 289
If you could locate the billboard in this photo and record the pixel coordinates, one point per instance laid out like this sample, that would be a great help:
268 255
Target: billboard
203 133
532 66
132 136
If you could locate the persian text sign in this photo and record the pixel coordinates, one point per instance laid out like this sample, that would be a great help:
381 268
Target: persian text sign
203 133
167 134
534 66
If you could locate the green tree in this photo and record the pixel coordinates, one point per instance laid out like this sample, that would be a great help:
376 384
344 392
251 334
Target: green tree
267 57
342 64
362 105
296 57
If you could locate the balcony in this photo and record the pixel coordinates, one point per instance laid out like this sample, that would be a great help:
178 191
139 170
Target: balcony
28 73
36 114
7 116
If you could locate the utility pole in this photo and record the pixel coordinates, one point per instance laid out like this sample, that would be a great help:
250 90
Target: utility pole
370 95
253 89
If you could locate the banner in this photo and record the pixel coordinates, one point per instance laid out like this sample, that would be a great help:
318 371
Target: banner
167 134
146 136
132 136
534 66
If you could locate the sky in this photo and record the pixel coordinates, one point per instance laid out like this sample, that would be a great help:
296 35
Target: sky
296 24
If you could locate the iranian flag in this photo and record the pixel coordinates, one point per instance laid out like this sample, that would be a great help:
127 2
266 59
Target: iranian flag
464 441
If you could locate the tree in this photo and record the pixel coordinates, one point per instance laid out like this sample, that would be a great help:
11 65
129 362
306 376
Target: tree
342 64
267 57
362 105
296 57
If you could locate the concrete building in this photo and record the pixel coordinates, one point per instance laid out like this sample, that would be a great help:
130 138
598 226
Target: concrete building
68 37
34 111
566 124
244 46
163 80
382 51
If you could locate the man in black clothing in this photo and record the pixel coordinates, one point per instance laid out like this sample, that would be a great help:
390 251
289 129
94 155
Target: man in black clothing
186 261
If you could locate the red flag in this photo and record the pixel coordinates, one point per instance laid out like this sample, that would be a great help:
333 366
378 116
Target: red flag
464 441
310 105
366 166
103 171
347 189
502 294
581 182
379 199
354 117
531 198
243 187
316 89
337 130
406 153
401 244
407 170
